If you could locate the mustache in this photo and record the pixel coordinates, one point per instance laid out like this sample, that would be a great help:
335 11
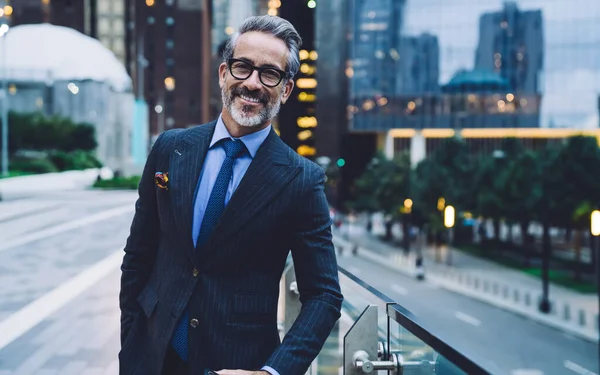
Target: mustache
255 94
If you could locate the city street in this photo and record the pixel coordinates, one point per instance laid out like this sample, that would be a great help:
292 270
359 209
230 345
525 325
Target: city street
516 345
59 284
59 279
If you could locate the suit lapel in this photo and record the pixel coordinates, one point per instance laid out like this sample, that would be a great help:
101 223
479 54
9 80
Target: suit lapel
269 172
186 166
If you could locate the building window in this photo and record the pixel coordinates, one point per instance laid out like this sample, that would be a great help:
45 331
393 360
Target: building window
118 27
103 7
103 26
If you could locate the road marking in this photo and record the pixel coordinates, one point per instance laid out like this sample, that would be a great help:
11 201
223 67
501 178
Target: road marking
577 368
28 211
467 318
526 371
399 289
354 270
66 227
29 316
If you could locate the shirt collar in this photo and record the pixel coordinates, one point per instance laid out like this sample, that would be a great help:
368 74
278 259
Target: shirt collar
252 141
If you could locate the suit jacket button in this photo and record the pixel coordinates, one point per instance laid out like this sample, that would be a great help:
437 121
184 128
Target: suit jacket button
194 323
195 272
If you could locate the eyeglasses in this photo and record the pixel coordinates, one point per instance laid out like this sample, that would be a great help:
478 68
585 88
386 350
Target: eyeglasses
242 70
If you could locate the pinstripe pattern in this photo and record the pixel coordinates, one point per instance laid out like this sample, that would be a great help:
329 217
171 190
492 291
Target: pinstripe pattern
279 205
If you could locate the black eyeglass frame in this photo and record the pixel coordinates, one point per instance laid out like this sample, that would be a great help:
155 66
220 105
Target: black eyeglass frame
283 75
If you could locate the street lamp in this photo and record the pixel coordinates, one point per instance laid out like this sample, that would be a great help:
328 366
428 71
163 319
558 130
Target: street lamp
4 92
449 215
544 305
595 247
406 224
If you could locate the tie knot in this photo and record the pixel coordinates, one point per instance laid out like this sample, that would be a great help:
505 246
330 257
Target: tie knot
233 148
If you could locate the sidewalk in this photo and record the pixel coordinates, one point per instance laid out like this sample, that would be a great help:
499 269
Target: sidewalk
487 281
24 186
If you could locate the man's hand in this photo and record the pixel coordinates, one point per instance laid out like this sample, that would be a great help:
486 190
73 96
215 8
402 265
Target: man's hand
241 372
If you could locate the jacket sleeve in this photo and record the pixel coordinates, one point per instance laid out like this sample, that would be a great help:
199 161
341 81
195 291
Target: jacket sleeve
141 246
317 276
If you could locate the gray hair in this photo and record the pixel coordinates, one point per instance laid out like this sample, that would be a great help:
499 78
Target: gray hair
279 28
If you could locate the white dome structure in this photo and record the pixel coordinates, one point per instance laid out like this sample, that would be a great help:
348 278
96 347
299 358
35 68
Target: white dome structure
48 52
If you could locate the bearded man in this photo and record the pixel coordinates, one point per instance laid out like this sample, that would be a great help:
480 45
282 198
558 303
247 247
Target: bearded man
220 207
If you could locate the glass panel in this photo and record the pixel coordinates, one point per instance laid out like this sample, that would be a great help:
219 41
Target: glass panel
357 296
420 348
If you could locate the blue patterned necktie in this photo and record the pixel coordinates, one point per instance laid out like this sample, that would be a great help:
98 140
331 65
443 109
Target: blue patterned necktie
214 209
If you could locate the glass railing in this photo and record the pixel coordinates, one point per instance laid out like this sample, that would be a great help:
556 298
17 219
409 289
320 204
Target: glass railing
376 335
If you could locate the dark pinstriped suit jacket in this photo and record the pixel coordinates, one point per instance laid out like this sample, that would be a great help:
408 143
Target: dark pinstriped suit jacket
279 206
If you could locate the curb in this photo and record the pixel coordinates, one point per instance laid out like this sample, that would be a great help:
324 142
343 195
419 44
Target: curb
405 265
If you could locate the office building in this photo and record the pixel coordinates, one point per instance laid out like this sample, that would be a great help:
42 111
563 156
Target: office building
297 121
511 43
105 20
419 68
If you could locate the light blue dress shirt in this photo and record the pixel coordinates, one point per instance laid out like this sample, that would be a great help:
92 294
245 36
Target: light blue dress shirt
212 165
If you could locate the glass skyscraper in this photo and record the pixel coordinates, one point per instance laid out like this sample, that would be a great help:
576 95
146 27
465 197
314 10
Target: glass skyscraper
474 64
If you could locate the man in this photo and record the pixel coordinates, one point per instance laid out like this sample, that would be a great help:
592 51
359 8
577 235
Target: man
220 206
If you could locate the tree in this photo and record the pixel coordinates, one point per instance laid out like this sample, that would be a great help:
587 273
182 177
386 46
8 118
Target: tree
34 131
383 187
579 164
364 199
446 174
523 190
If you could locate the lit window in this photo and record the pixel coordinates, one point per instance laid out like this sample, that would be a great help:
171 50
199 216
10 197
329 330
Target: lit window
305 150
150 2
170 83
306 83
306 122
304 135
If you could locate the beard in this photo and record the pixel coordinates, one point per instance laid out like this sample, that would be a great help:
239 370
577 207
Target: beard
246 116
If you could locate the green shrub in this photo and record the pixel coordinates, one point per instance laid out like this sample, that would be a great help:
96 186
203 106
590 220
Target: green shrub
37 165
35 131
119 183
75 160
